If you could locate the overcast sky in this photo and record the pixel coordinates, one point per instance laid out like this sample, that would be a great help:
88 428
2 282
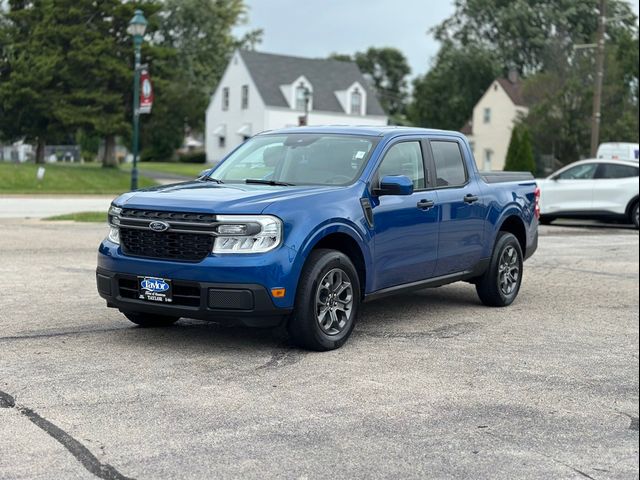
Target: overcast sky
316 28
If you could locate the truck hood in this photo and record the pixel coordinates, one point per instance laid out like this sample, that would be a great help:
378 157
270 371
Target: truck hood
209 197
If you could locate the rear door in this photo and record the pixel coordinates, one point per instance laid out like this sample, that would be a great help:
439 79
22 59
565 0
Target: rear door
570 190
405 226
461 205
614 186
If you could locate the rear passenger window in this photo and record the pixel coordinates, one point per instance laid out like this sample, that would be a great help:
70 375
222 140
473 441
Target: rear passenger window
450 169
611 170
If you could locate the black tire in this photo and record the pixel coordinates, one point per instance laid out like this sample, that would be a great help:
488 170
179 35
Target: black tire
545 220
494 289
322 320
634 215
148 320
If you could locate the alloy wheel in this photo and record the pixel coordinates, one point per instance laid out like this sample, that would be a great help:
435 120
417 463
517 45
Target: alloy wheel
508 270
334 302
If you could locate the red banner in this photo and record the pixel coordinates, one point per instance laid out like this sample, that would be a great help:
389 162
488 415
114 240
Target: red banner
146 92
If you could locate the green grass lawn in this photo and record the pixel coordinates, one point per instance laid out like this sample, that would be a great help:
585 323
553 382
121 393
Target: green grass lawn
60 178
185 169
98 217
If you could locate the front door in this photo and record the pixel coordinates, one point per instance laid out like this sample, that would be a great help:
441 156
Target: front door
463 209
405 227
570 190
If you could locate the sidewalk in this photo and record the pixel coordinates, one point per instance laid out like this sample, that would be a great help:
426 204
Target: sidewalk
41 206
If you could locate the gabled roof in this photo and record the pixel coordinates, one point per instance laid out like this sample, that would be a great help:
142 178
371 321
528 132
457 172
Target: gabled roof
270 71
513 89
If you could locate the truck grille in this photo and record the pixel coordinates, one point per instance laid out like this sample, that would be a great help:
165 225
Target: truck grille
186 247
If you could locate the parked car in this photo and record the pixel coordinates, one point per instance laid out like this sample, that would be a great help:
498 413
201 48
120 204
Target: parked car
591 189
618 151
339 215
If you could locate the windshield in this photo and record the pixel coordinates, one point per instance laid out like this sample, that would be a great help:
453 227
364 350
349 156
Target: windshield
297 159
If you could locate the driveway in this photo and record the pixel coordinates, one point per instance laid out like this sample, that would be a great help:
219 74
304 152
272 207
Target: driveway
431 384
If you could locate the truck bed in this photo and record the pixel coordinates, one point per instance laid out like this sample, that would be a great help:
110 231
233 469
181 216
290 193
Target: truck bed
504 177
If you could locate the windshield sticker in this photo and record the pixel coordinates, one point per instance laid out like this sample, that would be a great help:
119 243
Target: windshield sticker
360 154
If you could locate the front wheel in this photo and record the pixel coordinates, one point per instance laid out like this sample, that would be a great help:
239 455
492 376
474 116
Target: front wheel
148 320
327 302
500 284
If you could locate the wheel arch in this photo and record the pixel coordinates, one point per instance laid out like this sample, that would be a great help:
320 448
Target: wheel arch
347 240
515 225
630 205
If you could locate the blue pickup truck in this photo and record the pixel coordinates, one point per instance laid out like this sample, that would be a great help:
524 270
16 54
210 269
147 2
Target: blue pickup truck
302 225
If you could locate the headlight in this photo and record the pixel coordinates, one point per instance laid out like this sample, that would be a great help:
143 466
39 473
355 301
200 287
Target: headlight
114 220
247 233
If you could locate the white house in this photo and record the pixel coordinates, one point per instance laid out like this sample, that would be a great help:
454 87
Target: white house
489 130
263 91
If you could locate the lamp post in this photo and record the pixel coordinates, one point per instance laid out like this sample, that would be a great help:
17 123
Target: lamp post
307 102
137 27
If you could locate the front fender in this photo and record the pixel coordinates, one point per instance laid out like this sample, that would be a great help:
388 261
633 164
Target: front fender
332 226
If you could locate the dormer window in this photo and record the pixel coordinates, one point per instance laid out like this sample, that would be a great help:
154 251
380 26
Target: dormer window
356 102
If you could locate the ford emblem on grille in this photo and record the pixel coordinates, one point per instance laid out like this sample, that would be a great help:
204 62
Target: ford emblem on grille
159 226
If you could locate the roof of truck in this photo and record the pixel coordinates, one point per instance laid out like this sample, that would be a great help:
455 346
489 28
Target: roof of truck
367 130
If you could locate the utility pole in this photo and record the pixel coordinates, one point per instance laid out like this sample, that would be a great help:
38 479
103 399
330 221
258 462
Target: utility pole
597 92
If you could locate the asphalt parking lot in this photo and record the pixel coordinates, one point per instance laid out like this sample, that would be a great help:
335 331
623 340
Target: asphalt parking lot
431 384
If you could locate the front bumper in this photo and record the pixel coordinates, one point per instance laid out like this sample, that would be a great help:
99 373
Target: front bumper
245 304
220 287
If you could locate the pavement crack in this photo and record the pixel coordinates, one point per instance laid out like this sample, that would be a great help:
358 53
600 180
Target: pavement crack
537 452
81 453
444 332
63 333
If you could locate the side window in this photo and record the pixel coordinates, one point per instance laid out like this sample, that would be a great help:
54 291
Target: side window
586 171
404 159
450 171
611 170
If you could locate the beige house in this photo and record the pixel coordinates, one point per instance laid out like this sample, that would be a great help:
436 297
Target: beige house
489 130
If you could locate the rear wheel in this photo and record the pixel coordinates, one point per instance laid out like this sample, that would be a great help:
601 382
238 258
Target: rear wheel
327 302
500 284
148 320
635 212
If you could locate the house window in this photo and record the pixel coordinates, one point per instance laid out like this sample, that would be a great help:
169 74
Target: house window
245 97
222 141
225 98
488 154
302 93
487 115
356 102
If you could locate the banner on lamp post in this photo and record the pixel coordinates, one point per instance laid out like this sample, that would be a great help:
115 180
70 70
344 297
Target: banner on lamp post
146 92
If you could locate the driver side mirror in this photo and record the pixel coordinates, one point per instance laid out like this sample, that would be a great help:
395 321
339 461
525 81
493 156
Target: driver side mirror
395 185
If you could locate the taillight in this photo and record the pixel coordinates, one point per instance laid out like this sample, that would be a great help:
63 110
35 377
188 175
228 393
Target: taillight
536 211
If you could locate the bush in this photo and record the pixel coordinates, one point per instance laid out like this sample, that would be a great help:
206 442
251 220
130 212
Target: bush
192 157
520 154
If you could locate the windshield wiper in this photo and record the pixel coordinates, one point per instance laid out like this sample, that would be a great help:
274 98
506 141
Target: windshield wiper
210 179
268 182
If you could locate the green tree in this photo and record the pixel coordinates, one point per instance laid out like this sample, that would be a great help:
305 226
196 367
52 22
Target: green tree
520 30
445 96
30 71
520 153
560 99
192 49
388 69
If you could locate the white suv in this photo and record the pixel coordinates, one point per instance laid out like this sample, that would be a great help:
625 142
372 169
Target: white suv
591 189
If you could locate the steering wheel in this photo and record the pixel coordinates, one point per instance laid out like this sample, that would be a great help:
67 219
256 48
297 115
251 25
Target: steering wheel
337 179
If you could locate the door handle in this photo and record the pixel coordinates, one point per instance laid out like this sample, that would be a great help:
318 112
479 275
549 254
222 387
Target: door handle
471 198
425 204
